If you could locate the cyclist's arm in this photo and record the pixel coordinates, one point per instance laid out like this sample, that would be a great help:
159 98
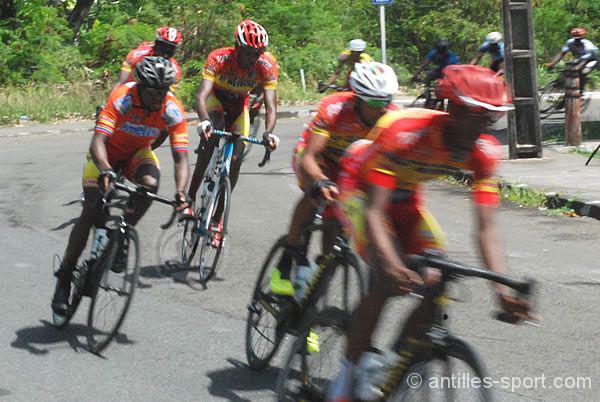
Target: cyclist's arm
123 77
270 96
556 59
338 70
158 141
477 58
422 67
98 151
206 88
489 241
315 144
181 170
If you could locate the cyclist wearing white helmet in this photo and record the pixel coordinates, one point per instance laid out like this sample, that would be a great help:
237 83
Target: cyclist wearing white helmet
495 47
354 54
341 119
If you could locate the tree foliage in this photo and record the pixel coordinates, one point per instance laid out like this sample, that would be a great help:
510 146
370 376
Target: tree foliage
57 41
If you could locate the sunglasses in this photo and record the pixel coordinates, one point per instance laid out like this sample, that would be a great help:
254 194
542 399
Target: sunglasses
377 103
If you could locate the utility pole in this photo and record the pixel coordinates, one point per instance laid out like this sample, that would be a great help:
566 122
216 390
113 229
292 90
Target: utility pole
382 4
524 128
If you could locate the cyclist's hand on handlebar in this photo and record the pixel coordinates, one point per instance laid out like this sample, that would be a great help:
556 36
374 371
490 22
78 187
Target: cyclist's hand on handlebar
205 129
549 66
326 189
517 308
106 178
399 281
271 139
183 201
321 87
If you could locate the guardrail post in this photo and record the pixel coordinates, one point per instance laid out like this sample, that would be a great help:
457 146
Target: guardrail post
573 135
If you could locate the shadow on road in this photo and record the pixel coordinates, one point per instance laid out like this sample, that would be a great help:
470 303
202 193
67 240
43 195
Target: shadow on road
228 382
40 340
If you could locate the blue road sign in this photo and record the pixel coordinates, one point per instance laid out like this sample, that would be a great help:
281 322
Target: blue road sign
381 2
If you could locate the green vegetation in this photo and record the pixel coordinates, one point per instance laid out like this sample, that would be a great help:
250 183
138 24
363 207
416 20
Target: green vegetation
73 43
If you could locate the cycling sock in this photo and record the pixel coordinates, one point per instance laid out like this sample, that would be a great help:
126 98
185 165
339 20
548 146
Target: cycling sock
340 388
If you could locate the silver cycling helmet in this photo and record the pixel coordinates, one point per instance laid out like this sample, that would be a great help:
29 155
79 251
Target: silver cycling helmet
357 45
155 72
373 80
494 37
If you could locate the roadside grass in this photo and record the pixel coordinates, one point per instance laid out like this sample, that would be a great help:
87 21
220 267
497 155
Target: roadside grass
524 196
44 103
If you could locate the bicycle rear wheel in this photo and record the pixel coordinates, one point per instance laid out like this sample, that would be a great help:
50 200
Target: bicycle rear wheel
263 337
452 373
114 289
309 370
211 246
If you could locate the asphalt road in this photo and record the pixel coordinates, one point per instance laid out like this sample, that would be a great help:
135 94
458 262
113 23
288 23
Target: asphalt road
182 343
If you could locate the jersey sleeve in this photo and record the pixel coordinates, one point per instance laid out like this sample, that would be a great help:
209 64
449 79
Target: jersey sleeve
129 62
484 48
327 112
211 66
174 117
269 71
484 162
567 46
177 69
118 103
453 59
431 54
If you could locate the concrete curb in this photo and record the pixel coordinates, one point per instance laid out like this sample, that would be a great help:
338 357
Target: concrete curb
553 200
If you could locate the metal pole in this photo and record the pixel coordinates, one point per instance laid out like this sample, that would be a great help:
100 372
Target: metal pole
302 79
573 134
382 25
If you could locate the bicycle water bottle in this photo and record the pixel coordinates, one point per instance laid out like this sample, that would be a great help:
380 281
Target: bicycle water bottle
100 242
304 276
372 370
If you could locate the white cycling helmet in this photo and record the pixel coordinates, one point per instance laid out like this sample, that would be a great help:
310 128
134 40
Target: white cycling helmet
373 80
357 45
494 37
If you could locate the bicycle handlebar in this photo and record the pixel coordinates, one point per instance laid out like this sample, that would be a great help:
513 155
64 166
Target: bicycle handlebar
237 136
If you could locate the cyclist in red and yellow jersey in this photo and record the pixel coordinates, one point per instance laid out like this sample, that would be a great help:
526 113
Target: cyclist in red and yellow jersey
382 200
133 117
341 119
167 41
229 74
347 59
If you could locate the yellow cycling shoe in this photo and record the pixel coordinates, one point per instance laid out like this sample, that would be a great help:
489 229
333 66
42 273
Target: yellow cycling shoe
312 342
280 286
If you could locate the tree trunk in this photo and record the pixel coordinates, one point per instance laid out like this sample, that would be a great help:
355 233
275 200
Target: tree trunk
79 14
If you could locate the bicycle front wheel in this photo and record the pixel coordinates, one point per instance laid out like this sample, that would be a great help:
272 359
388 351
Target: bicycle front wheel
254 130
314 358
189 242
212 243
347 286
117 279
263 337
452 373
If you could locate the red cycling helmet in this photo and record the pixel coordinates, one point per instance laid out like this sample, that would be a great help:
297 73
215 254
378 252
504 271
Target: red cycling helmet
249 33
578 32
475 87
169 36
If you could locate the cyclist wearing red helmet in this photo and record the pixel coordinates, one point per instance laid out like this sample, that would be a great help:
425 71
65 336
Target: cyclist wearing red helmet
229 74
382 199
167 41
584 51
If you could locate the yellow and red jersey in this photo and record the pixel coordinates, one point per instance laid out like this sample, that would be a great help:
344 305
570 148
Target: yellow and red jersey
338 121
137 54
129 128
230 79
408 149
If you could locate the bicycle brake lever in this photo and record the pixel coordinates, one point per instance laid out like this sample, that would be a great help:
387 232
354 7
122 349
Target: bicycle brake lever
266 158
168 224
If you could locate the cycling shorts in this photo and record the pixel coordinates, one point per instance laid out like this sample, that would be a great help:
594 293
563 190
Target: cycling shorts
235 111
144 156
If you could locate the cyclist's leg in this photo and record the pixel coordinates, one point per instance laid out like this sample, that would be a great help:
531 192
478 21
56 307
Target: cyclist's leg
216 113
90 216
143 169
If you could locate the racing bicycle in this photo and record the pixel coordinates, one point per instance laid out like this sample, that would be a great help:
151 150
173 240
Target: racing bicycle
413 360
109 276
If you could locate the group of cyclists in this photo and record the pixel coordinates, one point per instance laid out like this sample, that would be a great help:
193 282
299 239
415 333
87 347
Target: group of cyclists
360 152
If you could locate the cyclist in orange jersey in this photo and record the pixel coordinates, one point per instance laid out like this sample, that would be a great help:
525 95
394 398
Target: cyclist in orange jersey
341 119
229 74
133 117
381 197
